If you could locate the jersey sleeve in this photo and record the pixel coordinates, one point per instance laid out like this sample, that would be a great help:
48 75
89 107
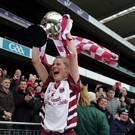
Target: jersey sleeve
46 83
75 87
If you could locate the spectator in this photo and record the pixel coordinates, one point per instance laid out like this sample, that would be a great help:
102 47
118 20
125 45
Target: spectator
123 125
5 73
114 103
118 88
61 86
123 101
24 107
100 91
124 91
7 105
129 102
102 104
91 121
131 106
123 97
31 88
37 104
16 79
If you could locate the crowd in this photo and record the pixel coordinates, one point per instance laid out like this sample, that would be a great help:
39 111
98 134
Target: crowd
107 113
20 98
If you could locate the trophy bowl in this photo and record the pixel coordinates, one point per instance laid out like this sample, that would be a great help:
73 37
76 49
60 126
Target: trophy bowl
51 23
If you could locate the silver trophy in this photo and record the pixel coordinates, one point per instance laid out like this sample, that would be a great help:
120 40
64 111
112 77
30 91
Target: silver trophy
51 23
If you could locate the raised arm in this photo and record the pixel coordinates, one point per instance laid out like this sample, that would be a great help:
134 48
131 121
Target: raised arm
74 69
39 67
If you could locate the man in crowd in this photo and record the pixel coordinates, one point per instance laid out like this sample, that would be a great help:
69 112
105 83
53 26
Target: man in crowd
7 105
113 102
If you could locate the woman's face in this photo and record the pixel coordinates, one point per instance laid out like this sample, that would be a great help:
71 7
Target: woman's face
59 70
103 103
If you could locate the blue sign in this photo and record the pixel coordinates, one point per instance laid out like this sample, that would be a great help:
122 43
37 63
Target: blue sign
16 48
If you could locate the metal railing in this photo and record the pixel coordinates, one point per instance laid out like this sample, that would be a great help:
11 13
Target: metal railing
19 128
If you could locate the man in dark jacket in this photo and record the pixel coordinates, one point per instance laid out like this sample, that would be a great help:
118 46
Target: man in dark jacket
23 102
122 125
7 105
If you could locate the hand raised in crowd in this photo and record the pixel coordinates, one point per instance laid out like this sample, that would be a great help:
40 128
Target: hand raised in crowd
17 74
15 77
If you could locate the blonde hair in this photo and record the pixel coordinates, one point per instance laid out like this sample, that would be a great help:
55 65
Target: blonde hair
84 95
65 60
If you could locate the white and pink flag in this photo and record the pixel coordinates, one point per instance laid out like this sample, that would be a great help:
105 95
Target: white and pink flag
87 46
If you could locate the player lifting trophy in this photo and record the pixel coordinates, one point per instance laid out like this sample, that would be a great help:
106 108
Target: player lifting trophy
62 82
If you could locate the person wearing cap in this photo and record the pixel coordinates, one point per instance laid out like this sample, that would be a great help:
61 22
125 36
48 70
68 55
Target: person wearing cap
122 125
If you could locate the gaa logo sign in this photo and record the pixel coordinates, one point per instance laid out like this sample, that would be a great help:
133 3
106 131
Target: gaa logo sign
16 48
